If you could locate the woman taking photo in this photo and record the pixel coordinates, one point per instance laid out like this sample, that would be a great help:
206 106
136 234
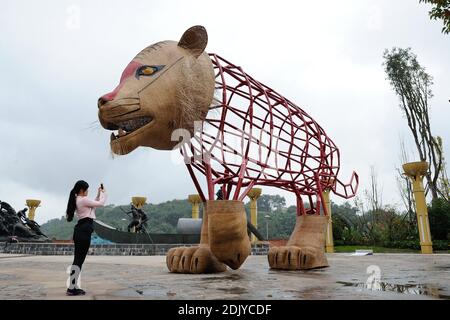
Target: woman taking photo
85 212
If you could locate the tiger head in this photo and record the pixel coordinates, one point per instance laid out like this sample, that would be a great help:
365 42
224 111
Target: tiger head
167 86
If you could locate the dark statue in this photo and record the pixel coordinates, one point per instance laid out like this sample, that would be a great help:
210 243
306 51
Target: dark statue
138 220
16 226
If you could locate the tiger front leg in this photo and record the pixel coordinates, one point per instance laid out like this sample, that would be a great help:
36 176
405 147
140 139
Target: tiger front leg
224 241
227 229
305 248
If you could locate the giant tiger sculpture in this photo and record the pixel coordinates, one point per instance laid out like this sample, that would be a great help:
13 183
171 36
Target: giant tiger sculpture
236 132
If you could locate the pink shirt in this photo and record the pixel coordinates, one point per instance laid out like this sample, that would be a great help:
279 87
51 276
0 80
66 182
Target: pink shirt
86 207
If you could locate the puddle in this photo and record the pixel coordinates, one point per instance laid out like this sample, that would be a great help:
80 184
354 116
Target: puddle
316 293
5 276
234 290
443 268
150 290
311 271
410 288
229 277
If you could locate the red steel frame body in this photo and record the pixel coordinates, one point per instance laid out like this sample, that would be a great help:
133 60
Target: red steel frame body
254 136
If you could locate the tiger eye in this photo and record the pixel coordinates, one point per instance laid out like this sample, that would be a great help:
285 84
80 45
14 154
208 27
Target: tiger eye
148 71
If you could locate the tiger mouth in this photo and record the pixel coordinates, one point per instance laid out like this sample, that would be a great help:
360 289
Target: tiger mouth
126 127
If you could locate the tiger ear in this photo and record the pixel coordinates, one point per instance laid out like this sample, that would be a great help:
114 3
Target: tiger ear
195 40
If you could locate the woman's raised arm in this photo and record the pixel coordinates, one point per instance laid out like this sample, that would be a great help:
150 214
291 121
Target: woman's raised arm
94 203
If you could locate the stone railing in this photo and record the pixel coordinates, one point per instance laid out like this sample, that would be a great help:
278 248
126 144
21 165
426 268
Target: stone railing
104 249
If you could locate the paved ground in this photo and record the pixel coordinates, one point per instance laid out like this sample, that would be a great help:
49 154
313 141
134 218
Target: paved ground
402 276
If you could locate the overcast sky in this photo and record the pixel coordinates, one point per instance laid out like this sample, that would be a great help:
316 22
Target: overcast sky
58 57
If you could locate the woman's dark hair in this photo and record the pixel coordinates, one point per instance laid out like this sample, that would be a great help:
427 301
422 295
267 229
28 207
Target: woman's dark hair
72 204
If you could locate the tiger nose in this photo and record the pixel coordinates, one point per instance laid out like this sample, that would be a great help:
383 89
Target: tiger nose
104 99
100 102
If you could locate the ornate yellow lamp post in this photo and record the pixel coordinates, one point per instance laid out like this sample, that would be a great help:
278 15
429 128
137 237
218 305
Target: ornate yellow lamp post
138 202
195 200
32 205
254 195
416 171
329 244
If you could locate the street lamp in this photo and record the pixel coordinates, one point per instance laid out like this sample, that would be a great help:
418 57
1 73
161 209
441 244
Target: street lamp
267 226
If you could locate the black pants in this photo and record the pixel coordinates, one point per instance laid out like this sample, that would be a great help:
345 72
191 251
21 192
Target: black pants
82 240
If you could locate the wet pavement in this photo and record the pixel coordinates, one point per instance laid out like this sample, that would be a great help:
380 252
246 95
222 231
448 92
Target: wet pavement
381 276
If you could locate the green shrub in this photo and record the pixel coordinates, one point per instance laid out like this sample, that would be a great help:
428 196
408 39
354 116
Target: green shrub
439 217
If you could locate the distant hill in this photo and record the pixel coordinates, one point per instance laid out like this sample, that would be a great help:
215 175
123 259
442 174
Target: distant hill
163 218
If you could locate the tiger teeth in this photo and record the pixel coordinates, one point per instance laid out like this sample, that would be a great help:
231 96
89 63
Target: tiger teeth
132 125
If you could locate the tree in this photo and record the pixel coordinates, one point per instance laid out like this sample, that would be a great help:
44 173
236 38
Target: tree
269 202
444 184
368 217
374 195
413 86
345 222
404 186
440 10
439 215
